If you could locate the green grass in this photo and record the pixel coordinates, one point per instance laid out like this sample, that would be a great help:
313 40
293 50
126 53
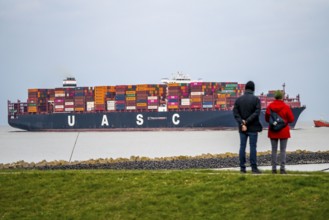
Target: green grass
174 194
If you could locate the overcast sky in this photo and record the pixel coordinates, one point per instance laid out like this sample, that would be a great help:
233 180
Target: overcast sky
141 41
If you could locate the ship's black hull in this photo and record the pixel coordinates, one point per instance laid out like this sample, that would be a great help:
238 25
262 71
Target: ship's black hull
111 121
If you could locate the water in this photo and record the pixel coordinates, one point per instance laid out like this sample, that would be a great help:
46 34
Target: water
324 167
18 145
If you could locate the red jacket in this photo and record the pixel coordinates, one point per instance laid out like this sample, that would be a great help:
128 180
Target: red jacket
286 114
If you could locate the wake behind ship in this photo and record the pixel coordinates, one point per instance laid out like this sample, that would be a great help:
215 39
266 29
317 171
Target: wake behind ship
178 103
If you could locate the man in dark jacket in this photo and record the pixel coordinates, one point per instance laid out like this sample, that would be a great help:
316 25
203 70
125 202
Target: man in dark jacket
246 112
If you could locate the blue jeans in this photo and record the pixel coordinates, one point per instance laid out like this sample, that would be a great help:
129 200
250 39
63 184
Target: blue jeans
253 136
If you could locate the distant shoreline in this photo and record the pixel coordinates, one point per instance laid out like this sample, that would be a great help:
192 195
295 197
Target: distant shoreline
204 161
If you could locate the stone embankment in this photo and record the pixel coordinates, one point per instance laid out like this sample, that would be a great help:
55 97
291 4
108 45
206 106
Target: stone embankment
204 161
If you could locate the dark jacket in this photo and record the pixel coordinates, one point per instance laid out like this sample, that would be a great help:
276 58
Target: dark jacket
286 114
247 107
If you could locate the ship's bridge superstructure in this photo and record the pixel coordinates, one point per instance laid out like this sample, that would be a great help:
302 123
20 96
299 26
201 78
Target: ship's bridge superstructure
179 78
69 82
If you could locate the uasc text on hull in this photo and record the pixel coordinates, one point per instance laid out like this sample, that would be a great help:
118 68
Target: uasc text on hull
111 121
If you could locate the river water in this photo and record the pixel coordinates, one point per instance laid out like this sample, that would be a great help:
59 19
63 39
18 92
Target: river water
16 145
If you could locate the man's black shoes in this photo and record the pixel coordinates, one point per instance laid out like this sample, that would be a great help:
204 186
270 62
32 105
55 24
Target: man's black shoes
283 172
253 171
256 171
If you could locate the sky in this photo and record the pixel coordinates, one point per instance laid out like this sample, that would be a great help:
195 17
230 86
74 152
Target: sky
107 42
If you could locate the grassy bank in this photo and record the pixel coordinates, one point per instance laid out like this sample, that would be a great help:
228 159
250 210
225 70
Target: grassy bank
187 194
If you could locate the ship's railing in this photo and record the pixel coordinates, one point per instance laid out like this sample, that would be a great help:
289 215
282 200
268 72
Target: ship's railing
21 108
17 108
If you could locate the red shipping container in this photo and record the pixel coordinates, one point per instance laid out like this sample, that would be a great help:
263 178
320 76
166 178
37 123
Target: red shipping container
194 105
120 102
59 100
99 107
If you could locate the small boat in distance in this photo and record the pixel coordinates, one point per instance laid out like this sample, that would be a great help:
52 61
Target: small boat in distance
321 123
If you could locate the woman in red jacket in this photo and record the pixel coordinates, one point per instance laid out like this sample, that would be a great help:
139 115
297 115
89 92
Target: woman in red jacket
286 114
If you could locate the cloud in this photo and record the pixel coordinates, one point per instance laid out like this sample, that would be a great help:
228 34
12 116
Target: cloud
12 9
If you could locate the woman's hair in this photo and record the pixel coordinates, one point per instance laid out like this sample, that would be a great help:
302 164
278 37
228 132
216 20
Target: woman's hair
278 94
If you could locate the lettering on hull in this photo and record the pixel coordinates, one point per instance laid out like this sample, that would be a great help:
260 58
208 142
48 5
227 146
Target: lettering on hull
71 120
175 119
105 121
140 119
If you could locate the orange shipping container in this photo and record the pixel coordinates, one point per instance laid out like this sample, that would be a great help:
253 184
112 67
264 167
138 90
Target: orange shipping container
111 88
99 102
151 89
172 106
141 89
32 90
221 102
100 98
130 92
79 109
100 95
195 99
100 90
32 109
141 104
130 98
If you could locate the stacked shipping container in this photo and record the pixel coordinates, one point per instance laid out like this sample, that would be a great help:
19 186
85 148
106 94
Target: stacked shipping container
196 95
69 100
110 98
120 98
32 100
131 98
89 99
100 95
174 92
59 100
143 97
79 99
209 95
38 100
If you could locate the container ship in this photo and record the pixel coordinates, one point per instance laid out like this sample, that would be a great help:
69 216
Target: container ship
177 103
